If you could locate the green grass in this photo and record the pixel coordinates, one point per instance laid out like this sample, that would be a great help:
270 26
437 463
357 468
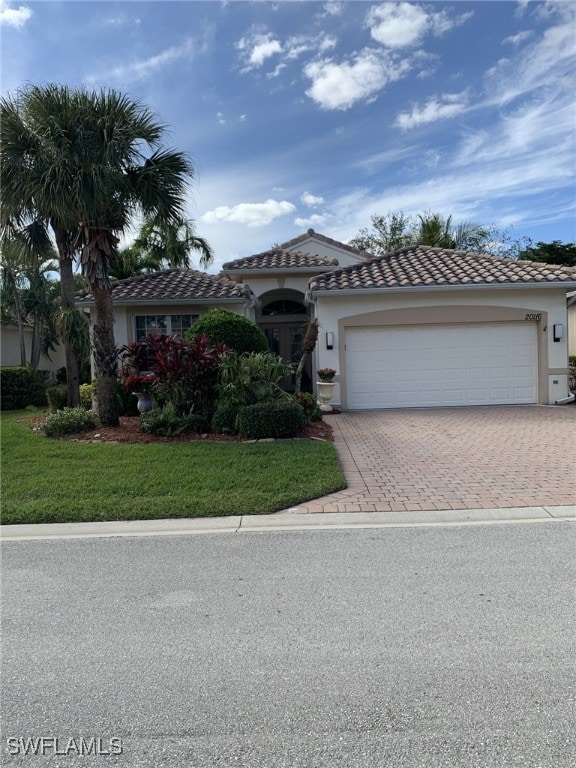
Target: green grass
53 481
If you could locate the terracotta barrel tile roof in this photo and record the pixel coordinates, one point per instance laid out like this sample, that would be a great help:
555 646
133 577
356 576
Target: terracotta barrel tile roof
422 266
169 284
278 258
328 241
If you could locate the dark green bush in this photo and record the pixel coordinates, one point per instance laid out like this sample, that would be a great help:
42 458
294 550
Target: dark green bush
278 419
226 327
57 397
69 421
21 387
166 422
225 416
572 370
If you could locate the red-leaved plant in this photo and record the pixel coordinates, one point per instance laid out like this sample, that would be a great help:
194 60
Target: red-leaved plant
186 371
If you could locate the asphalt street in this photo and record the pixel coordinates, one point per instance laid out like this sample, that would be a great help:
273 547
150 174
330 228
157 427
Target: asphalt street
436 647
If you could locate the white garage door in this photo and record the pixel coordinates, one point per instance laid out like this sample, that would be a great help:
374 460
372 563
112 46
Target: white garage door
419 366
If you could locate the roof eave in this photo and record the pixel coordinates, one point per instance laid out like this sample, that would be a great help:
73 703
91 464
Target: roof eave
461 287
174 300
281 271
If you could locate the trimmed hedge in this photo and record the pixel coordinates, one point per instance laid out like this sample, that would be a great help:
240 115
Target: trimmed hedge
270 419
21 387
224 326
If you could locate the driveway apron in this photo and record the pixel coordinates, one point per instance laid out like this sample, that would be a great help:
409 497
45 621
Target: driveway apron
453 458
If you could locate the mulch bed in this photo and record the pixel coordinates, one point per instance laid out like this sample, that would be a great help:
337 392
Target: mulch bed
129 432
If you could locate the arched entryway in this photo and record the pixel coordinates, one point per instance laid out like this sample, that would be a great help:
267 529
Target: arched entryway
283 316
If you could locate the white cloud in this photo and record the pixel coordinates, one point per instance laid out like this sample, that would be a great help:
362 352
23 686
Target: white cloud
440 108
398 25
299 44
14 17
340 86
250 214
333 8
314 220
143 69
311 200
517 39
257 48
404 25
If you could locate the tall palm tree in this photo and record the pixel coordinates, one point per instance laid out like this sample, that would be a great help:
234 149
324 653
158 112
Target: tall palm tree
168 244
130 262
86 164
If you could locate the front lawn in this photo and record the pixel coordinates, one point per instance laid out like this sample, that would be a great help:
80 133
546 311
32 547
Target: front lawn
54 481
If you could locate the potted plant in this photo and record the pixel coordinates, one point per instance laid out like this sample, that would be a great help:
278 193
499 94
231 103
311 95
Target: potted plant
325 387
142 386
326 374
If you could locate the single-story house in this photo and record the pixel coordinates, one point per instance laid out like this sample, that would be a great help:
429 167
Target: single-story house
417 327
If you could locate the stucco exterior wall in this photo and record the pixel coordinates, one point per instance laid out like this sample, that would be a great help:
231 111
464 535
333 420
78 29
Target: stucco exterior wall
319 248
572 329
10 350
544 307
124 314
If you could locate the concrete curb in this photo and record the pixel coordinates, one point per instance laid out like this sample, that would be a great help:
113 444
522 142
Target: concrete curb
286 522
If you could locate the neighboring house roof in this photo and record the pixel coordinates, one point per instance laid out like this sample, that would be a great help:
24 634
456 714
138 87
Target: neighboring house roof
278 258
172 285
425 267
323 239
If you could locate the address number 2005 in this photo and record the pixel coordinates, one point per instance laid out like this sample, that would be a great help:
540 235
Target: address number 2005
533 316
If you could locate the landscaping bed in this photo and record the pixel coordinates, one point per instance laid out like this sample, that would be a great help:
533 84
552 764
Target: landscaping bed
129 432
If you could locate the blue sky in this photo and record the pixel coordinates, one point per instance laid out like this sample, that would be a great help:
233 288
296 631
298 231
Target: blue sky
303 114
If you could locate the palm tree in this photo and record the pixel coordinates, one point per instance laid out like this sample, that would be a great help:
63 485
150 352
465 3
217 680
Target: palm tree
437 231
130 263
85 163
168 244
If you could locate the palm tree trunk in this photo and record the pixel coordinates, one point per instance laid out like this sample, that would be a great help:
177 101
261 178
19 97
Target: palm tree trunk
68 300
36 344
105 356
20 323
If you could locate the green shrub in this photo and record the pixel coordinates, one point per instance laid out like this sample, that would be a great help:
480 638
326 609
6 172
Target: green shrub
252 378
87 392
21 387
273 419
57 397
166 422
225 327
572 370
310 406
69 421
224 420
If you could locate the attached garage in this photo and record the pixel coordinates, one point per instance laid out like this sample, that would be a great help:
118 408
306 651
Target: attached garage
442 365
428 327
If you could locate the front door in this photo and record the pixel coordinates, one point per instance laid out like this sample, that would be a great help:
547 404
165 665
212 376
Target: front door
286 340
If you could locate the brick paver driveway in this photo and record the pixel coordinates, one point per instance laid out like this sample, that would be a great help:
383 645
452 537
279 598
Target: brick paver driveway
454 458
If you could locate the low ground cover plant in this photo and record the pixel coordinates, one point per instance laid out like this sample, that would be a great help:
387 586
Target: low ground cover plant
69 421
166 422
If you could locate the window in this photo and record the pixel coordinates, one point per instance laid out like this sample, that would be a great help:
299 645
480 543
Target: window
170 325
283 307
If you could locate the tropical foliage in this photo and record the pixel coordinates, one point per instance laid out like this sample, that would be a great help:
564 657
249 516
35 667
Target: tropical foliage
82 165
398 230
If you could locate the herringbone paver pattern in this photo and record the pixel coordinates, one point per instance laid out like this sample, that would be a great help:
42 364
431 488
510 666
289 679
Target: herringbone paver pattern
453 458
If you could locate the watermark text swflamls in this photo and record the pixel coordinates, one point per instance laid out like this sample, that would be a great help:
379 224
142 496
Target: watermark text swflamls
54 745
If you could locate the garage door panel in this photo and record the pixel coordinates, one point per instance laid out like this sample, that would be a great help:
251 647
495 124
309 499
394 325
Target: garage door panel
474 364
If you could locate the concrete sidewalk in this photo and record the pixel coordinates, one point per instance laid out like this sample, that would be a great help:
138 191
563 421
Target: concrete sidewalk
275 522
